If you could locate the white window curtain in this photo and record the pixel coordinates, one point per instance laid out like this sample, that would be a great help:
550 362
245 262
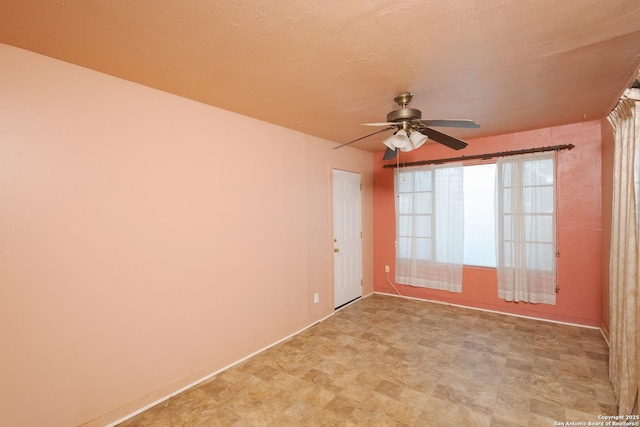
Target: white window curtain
526 228
430 226
624 356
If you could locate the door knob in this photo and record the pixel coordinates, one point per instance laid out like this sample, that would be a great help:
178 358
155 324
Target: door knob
336 250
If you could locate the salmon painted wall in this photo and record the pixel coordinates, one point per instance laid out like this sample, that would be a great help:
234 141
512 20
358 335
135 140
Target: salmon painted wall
579 226
147 240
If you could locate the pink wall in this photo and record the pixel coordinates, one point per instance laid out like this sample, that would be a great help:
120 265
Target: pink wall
579 227
138 251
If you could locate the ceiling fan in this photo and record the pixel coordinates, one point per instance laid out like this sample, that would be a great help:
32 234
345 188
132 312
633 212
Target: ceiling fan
411 131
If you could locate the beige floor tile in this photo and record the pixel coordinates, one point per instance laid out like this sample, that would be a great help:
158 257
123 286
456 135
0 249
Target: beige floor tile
390 361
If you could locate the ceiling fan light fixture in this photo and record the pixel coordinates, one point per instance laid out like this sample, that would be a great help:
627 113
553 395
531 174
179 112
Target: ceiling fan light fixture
400 139
389 142
417 139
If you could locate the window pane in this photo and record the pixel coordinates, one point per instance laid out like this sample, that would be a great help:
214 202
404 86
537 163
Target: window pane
539 172
479 222
405 183
423 226
422 181
538 199
422 203
539 228
404 247
508 250
404 225
507 228
405 204
423 249
506 201
540 256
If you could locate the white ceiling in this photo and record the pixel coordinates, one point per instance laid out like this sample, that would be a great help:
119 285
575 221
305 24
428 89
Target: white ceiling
324 67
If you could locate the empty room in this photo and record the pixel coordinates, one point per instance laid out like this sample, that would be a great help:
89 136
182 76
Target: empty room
302 213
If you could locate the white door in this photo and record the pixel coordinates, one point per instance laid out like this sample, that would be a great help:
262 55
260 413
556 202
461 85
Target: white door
347 237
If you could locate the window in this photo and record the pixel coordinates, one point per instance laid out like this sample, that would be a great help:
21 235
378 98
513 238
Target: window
526 212
479 217
414 197
429 226
416 225
429 213
493 215
526 228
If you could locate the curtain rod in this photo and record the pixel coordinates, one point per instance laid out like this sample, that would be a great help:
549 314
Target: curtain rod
486 156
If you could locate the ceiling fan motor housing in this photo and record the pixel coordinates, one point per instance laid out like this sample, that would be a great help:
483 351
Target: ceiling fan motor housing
404 114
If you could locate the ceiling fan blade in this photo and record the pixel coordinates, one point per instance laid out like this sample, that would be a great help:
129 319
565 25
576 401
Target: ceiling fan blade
390 154
443 138
468 124
363 137
379 124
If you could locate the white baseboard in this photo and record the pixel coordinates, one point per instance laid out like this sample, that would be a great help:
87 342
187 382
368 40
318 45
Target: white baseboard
490 311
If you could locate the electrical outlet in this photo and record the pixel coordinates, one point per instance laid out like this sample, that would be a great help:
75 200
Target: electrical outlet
316 298
386 268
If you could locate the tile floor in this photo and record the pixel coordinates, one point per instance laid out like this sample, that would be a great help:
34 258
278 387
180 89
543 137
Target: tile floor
387 361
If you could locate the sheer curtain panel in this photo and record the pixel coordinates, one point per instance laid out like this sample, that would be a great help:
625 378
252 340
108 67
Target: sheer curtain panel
526 228
430 226
624 363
